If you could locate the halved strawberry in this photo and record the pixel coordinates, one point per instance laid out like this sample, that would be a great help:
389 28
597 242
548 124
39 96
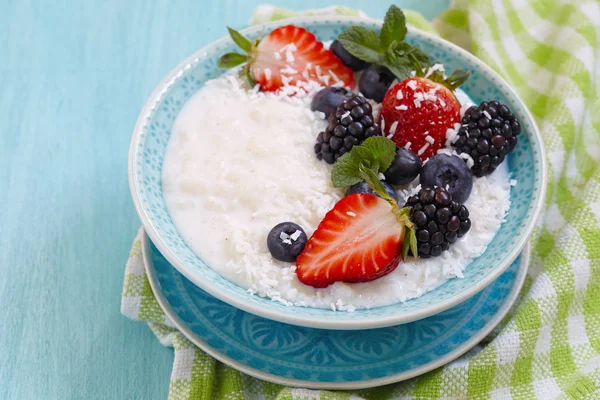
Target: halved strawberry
359 240
418 111
289 55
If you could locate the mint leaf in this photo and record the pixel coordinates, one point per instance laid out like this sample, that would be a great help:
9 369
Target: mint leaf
402 58
240 39
362 43
401 72
418 55
230 60
382 150
376 154
406 53
394 27
362 154
346 171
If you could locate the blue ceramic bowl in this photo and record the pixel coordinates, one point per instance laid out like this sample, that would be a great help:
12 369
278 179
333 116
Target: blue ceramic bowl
151 134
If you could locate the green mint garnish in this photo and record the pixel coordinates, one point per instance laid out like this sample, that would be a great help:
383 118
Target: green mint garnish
394 27
386 48
380 151
362 43
374 154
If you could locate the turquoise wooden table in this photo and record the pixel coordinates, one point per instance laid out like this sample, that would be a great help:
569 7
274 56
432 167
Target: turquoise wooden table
73 77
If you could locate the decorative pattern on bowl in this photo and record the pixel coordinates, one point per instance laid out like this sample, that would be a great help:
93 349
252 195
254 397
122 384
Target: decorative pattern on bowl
332 359
151 134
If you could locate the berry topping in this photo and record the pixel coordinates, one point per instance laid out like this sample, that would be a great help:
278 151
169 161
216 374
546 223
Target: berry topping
449 172
364 236
404 169
374 82
418 111
359 240
348 59
289 55
350 125
439 220
363 187
285 241
488 133
327 100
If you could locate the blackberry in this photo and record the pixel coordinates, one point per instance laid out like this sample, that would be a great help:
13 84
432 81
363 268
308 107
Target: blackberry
439 220
488 133
350 125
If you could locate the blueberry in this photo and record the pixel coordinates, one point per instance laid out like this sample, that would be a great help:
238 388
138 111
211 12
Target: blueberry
444 170
286 241
374 82
405 167
348 59
327 100
363 187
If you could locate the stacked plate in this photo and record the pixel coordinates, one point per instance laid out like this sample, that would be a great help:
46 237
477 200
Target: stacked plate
321 348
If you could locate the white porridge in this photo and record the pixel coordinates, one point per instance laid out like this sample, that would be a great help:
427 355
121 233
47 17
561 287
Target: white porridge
239 162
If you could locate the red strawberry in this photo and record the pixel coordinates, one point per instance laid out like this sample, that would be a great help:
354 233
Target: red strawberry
420 111
359 240
289 55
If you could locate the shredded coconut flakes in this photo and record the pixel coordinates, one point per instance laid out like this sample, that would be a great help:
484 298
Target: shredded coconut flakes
422 149
393 128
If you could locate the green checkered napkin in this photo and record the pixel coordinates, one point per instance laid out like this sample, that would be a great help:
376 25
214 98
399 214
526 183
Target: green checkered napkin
549 345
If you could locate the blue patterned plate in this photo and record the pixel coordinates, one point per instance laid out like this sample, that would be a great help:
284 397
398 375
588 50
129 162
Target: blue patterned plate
151 135
328 359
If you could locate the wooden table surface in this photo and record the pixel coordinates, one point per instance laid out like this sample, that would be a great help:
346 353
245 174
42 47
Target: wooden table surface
73 77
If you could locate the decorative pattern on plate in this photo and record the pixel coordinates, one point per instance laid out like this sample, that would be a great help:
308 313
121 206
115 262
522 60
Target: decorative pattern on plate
318 357
152 133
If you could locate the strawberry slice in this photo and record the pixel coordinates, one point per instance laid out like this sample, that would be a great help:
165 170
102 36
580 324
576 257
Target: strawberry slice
359 240
288 56
418 111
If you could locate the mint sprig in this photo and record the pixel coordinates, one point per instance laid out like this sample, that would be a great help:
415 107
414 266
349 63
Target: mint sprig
374 154
386 48
394 27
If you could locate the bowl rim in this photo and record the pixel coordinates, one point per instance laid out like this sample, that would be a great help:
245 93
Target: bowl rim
304 320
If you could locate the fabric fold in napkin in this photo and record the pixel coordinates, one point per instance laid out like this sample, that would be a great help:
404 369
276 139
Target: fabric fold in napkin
549 345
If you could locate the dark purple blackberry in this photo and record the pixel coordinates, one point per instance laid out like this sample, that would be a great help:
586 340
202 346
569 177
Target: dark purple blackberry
350 125
488 133
439 220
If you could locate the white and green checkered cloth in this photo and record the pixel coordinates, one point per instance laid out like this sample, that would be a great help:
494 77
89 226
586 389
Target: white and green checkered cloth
549 345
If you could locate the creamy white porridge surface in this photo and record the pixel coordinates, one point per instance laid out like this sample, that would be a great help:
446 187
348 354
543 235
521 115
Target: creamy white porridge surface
241 161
